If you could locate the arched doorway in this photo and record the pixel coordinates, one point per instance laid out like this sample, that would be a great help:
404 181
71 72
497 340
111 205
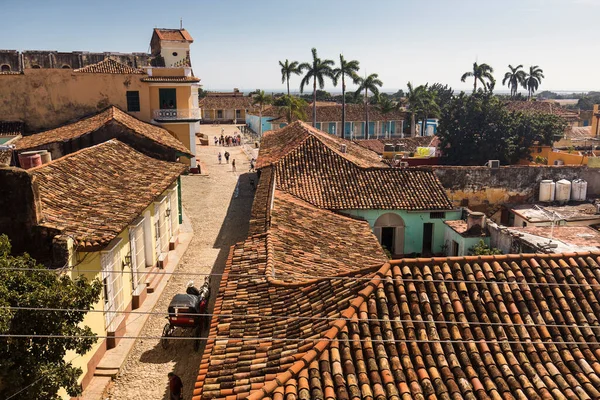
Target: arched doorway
389 229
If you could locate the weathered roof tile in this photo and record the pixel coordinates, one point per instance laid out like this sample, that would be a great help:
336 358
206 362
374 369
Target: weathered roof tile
93 194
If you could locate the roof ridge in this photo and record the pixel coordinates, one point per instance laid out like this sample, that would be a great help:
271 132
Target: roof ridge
67 156
487 258
326 339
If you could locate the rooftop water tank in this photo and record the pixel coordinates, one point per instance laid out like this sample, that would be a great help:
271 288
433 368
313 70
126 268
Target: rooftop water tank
46 156
563 191
578 190
547 187
30 159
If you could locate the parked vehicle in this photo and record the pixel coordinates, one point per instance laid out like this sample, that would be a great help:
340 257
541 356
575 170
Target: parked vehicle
188 312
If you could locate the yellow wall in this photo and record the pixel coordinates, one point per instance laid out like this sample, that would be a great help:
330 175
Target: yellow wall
184 96
567 158
168 71
47 98
596 120
182 132
89 265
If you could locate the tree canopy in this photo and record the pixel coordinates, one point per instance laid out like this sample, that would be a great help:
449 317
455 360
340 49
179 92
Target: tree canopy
476 128
35 368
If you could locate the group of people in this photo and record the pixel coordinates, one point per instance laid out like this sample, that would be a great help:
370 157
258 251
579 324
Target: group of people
235 140
227 155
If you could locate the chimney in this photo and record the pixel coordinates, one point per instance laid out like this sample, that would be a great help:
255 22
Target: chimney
475 219
343 148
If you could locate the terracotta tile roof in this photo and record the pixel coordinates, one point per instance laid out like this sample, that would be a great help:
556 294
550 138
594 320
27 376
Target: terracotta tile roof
260 215
93 194
226 103
409 144
431 328
179 35
171 79
306 242
109 66
95 122
546 107
460 227
11 127
581 236
294 137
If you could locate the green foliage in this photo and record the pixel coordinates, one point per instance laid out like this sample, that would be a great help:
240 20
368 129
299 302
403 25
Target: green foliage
293 108
38 364
261 99
202 93
480 73
443 94
515 78
482 249
321 95
476 128
541 160
287 69
532 80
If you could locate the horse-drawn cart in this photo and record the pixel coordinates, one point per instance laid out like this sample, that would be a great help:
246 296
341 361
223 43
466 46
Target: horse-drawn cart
188 312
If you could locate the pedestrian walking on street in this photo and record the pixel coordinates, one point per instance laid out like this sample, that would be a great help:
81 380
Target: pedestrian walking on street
216 140
227 157
175 387
233 165
219 157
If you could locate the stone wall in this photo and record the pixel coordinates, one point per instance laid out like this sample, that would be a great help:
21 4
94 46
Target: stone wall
482 188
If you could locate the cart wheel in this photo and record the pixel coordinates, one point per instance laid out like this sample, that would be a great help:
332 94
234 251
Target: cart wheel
167 331
198 335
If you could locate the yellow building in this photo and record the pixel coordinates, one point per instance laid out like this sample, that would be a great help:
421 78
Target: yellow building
115 222
49 89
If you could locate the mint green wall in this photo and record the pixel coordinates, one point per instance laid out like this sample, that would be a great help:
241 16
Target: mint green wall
413 226
464 243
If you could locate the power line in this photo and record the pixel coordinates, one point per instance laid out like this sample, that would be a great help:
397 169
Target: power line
302 318
348 278
320 339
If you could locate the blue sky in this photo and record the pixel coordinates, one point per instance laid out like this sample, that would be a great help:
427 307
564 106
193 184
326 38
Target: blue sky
239 43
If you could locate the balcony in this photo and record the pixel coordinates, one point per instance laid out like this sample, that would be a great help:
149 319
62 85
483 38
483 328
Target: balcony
176 115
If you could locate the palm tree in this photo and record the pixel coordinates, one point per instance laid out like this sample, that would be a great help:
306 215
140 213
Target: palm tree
368 84
287 69
532 80
385 106
317 71
294 107
415 101
346 69
481 73
515 78
261 99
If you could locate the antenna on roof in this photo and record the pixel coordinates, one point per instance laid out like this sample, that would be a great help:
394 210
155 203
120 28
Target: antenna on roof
180 23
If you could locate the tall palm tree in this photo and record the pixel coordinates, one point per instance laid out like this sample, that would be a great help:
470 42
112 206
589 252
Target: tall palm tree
287 69
532 80
415 98
385 106
346 69
368 84
261 99
318 70
481 73
515 78
293 107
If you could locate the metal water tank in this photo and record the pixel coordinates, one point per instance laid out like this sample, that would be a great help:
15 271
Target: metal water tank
547 187
578 190
563 191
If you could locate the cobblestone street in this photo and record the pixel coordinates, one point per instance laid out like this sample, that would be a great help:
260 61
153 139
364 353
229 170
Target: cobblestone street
219 215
